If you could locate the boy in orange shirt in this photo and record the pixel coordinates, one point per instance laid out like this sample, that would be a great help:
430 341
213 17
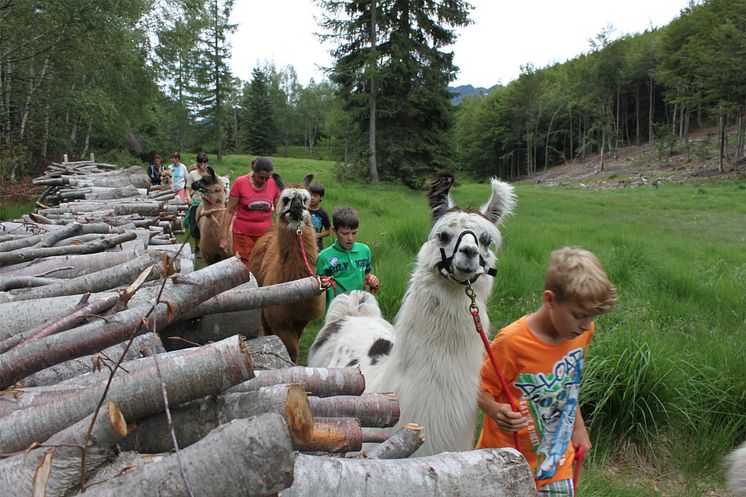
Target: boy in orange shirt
542 357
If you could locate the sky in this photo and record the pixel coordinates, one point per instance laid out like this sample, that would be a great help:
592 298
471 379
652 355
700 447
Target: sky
503 37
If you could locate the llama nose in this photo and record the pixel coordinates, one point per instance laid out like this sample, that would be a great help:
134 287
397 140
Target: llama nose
469 251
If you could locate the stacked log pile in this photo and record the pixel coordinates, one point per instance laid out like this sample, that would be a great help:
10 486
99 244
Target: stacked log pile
106 388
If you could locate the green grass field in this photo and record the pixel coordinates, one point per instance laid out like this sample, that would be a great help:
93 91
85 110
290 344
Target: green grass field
665 392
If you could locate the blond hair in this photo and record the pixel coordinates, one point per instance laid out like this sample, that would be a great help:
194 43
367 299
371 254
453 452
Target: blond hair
577 275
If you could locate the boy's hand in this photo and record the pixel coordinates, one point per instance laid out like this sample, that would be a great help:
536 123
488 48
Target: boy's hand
502 414
580 437
372 283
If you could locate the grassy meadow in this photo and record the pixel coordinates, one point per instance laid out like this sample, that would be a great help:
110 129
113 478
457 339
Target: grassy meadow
665 391
664 396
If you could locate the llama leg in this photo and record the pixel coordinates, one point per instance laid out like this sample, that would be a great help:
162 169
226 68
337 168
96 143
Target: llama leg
290 338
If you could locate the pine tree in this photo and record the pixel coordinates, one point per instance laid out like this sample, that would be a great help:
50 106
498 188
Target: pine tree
394 54
260 133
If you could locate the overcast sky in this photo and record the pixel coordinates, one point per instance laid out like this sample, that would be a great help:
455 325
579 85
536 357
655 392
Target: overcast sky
503 36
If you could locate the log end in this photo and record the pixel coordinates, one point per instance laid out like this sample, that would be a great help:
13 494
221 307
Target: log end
299 415
117 419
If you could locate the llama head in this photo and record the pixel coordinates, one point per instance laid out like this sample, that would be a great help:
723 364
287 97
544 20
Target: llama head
460 243
212 188
292 206
167 177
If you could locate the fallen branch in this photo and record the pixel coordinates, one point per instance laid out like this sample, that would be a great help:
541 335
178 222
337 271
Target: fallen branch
371 409
400 445
321 382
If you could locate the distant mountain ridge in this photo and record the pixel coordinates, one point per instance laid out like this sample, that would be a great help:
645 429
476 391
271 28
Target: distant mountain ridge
468 91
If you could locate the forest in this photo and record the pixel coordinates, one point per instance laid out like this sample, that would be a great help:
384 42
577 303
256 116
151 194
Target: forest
129 79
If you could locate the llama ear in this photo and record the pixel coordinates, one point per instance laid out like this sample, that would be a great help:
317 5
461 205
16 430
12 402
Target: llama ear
501 201
438 197
307 180
278 181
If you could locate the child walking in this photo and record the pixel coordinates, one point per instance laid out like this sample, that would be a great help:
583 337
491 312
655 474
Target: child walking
347 260
542 358
319 217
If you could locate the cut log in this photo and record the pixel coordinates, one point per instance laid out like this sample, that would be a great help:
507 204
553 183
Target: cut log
42 240
207 370
196 419
75 317
24 282
257 298
68 266
113 277
334 435
187 292
371 409
17 472
320 382
23 255
142 346
400 445
476 473
244 458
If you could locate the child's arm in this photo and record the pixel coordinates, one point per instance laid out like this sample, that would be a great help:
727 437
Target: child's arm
502 414
580 436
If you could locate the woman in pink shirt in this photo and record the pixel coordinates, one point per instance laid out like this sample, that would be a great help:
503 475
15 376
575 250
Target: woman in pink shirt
250 207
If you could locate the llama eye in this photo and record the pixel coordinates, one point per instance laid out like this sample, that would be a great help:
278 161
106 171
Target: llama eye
485 240
444 237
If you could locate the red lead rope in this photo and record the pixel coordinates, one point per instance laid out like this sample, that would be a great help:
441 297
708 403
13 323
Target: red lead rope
324 281
474 311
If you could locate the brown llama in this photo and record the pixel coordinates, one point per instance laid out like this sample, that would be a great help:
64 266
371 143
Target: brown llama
278 258
209 219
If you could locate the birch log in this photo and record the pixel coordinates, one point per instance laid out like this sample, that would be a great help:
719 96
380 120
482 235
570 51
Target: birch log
375 410
476 473
194 420
244 458
207 370
68 266
400 445
334 435
23 255
17 472
186 292
320 382
113 277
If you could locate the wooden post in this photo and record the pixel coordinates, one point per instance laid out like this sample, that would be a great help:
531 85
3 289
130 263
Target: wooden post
64 158
93 157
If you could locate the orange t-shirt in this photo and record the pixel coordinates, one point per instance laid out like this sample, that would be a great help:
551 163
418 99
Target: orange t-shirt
544 380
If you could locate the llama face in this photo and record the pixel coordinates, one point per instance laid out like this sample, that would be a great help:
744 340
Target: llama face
460 243
215 193
167 178
292 207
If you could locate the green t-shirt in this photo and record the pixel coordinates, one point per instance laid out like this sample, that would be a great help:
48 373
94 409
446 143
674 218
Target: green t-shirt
348 267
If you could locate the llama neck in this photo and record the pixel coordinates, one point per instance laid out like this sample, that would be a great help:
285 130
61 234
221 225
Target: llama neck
290 248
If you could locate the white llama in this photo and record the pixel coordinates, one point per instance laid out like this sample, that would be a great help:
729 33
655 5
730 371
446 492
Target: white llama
432 355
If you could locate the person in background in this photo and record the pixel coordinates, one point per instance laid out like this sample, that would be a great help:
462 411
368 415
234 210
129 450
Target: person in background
154 170
250 206
542 357
319 217
348 261
180 174
194 197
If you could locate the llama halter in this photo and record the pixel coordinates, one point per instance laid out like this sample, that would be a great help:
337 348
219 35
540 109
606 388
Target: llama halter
445 266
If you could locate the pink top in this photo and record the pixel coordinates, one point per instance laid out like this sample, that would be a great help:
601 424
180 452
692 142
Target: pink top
254 211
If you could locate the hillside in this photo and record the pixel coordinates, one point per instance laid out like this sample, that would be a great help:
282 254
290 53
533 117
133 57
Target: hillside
464 91
636 166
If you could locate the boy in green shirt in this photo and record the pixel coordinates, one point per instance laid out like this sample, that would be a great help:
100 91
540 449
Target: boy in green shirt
348 261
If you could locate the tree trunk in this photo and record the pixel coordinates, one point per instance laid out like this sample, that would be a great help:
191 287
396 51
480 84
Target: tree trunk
651 111
68 266
400 445
193 421
184 294
320 382
64 448
207 370
373 167
371 409
47 239
246 457
479 473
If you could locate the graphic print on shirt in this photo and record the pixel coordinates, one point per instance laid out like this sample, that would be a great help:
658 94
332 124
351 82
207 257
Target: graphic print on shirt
317 222
259 205
552 400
